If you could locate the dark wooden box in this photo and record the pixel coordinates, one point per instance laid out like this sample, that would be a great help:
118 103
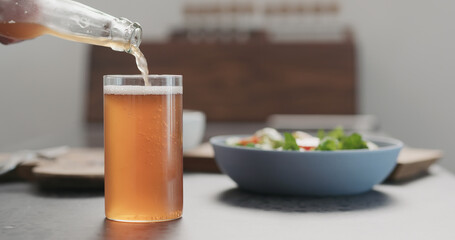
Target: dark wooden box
242 81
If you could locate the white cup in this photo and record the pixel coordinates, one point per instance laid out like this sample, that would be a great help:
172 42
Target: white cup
193 128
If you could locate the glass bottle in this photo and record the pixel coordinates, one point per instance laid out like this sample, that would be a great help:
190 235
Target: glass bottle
26 19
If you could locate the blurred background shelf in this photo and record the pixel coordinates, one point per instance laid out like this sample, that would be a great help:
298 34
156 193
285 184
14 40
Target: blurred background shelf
243 81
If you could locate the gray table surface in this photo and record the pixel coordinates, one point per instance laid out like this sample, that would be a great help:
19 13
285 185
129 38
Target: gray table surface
216 209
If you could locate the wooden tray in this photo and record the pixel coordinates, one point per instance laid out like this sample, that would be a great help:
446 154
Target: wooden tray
80 168
413 162
83 168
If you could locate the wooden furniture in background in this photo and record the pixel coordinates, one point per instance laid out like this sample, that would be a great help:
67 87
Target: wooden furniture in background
242 81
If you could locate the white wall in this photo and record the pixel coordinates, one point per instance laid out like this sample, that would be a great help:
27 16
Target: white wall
406 61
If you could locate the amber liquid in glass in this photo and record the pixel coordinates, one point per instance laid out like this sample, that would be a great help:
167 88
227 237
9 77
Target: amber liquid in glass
143 155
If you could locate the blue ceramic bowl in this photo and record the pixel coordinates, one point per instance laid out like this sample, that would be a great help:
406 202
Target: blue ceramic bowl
318 173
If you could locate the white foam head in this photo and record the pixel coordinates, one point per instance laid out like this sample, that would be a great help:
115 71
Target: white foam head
142 90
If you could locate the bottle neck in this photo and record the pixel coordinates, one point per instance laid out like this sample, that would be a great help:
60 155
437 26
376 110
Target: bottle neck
77 22
124 34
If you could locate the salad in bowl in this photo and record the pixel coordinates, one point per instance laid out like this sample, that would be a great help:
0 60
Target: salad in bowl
296 163
271 139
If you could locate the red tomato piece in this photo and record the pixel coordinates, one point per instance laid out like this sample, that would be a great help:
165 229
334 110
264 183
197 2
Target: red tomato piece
246 141
307 148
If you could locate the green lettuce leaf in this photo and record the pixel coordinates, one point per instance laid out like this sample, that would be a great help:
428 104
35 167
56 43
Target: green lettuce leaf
328 144
337 133
321 134
354 141
337 140
289 142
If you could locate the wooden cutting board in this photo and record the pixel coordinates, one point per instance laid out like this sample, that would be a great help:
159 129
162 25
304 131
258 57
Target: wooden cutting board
413 163
84 167
80 168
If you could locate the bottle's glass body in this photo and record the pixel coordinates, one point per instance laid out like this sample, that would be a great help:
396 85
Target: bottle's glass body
27 19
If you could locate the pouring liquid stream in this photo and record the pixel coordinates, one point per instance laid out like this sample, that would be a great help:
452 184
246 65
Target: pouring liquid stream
141 63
